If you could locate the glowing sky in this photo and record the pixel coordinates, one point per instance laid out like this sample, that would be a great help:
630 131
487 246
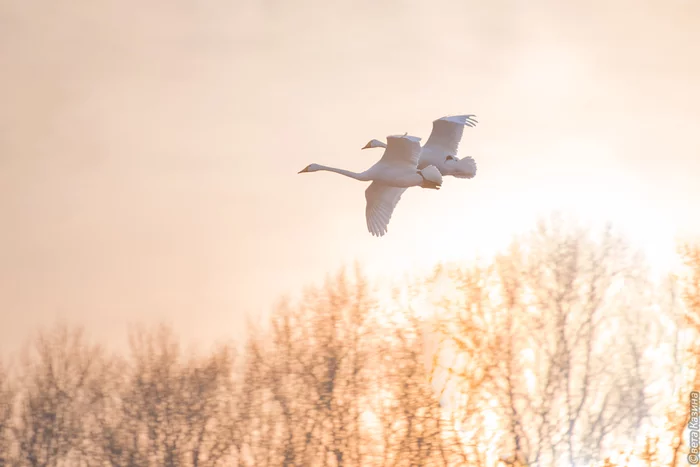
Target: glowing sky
149 150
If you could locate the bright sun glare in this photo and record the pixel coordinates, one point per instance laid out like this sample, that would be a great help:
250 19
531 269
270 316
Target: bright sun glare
595 193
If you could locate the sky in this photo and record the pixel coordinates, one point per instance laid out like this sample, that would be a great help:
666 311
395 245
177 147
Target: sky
149 150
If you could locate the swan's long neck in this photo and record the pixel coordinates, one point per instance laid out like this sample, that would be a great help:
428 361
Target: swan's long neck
357 176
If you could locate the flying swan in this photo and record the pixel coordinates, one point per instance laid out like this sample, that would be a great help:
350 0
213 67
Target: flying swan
396 171
441 148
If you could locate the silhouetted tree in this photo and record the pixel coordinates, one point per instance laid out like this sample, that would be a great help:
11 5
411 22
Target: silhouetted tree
158 408
552 339
550 354
414 428
55 400
305 380
667 446
7 399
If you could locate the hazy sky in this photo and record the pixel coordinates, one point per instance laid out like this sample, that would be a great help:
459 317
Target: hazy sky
149 150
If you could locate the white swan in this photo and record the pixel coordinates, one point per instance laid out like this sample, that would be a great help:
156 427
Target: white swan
441 148
396 171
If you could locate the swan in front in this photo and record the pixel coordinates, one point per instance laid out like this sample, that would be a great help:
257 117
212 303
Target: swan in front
395 172
441 148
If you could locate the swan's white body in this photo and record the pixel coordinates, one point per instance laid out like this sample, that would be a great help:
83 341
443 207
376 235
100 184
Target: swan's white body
396 171
441 148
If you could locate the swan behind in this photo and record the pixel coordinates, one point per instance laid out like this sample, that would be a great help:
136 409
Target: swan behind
442 146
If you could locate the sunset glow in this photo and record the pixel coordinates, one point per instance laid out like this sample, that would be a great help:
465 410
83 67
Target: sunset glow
150 158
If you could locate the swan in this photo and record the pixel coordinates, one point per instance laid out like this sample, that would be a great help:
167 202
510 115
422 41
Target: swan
441 148
395 172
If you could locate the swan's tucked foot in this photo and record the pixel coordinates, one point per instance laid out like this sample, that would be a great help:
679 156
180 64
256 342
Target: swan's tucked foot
432 178
430 185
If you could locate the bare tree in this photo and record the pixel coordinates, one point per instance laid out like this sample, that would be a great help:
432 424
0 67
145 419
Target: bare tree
305 385
551 339
550 354
414 428
691 292
160 409
679 414
259 433
54 403
7 399
667 445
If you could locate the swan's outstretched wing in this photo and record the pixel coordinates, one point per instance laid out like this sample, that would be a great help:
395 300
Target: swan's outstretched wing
402 151
447 133
381 201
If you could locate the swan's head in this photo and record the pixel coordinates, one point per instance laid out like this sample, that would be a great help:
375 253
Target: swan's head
310 168
375 143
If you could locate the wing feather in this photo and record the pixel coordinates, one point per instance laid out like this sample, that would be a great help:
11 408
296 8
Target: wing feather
381 201
402 150
447 133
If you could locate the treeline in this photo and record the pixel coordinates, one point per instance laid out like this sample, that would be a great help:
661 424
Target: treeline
560 351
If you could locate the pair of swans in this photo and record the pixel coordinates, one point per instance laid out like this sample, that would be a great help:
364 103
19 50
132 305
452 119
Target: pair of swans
405 164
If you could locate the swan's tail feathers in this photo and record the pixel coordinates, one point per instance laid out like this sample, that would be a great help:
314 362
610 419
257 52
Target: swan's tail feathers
464 168
432 178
